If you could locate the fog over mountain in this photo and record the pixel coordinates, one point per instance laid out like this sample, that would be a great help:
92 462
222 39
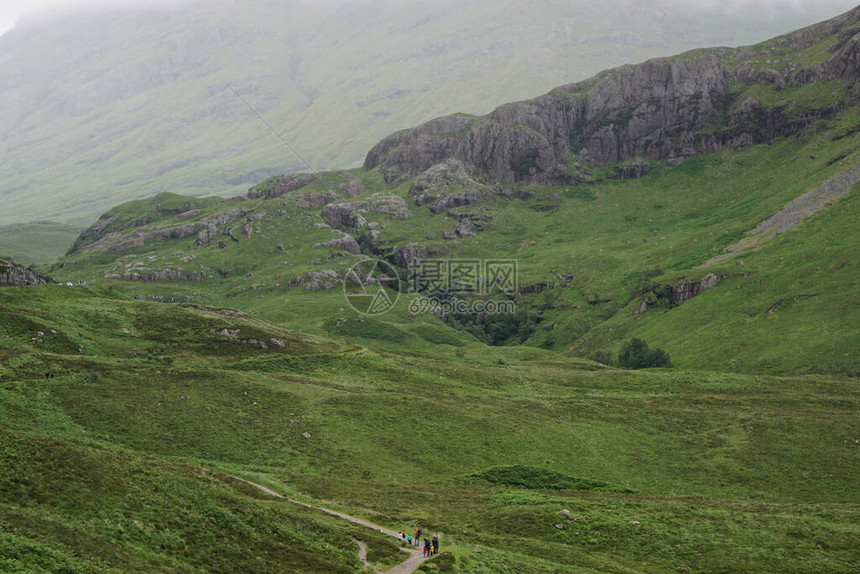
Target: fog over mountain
103 101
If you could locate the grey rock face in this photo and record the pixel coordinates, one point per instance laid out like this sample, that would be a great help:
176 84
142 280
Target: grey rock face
447 185
276 187
343 216
314 200
674 295
664 109
324 279
217 224
161 275
348 215
346 243
14 275
409 255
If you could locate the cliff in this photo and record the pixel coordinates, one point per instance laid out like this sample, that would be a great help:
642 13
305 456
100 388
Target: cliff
14 275
663 110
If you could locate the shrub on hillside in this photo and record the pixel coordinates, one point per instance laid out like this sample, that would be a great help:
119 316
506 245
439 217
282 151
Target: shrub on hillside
444 562
635 354
521 476
602 356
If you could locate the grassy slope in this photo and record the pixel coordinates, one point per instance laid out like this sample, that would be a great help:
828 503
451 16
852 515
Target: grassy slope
605 235
37 243
764 466
141 106
725 471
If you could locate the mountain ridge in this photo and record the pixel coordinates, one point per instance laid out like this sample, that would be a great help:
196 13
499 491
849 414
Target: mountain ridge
102 109
605 251
656 110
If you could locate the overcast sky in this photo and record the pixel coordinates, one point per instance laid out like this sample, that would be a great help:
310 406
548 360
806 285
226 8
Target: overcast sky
11 9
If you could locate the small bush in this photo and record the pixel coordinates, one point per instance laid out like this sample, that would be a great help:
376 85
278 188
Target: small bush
529 477
635 354
602 356
443 562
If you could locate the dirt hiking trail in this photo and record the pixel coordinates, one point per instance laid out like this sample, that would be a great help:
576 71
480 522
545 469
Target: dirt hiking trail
406 567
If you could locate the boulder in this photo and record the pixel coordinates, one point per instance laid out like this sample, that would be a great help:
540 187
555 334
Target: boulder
348 215
447 185
343 216
14 275
345 243
314 200
353 186
279 185
322 280
409 255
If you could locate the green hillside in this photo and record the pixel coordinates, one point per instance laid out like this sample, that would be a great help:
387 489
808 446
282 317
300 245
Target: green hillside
104 460
787 306
40 243
101 107
705 204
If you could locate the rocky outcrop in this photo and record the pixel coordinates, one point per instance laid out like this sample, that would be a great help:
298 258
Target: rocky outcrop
533 288
234 336
348 215
409 255
463 228
345 243
314 200
343 216
14 275
322 280
632 170
122 220
352 186
391 205
97 238
664 109
447 185
217 224
160 275
674 295
279 185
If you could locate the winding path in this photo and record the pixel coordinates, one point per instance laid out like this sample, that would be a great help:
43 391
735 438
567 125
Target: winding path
406 567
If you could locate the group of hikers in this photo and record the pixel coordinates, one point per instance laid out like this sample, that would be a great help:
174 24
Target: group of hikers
431 545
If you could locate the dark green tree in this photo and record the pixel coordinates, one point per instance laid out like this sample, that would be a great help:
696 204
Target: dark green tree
635 354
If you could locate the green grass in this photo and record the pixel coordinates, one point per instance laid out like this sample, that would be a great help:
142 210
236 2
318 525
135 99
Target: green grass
77 509
37 243
125 407
111 448
603 237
